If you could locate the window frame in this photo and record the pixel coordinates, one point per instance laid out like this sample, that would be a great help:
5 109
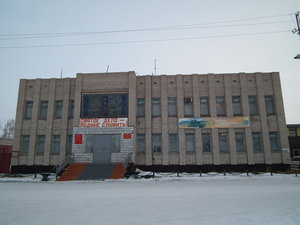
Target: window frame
255 143
59 104
156 107
270 103
175 143
55 144
40 144
141 139
240 142
203 105
204 144
156 143
273 144
220 106
25 151
188 106
236 106
254 104
172 104
140 107
224 148
43 110
190 136
28 110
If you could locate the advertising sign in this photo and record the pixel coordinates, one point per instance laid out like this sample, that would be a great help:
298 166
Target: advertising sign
104 122
214 122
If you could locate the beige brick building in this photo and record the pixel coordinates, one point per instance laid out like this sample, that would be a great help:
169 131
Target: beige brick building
163 122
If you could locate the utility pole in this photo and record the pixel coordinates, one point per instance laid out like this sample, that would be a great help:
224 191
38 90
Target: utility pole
297 30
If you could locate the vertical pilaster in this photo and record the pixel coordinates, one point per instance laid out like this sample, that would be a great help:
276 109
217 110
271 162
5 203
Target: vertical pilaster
164 120
180 110
148 119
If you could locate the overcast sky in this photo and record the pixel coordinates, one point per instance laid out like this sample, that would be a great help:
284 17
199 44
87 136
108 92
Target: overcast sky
184 37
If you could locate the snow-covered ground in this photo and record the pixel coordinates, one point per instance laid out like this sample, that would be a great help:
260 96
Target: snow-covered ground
170 200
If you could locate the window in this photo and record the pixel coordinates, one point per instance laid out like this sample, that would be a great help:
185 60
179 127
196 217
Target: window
71 109
189 142
223 142
269 105
40 145
236 105
156 143
155 106
104 105
240 142
257 143
55 144
220 104
25 144
140 107
43 110
173 142
89 141
115 142
28 110
69 144
141 144
274 141
253 105
188 106
204 107
58 109
172 106
206 142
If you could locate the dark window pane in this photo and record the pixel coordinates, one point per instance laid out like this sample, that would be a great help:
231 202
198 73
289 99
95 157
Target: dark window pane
188 106
116 142
28 110
220 104
172 106
55 145
253 105
274 141
155 106
189 142
40 145
206 142
204 106
140 107
58 109
257 142
269 105
43 110
236 105
240 143
104 105
141 144
173 142
25 144
156 142
223 142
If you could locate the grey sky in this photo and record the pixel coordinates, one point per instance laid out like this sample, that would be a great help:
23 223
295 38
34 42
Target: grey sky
208 52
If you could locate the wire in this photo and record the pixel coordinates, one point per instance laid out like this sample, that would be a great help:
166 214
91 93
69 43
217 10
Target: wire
140 30
144 41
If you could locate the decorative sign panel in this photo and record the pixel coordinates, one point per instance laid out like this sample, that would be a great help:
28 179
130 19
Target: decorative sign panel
127 136
78 139
214 122
104 122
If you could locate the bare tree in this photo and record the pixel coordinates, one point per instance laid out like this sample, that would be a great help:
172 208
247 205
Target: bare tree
8 129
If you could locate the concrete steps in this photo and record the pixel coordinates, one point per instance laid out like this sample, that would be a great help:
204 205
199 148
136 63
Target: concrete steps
81 171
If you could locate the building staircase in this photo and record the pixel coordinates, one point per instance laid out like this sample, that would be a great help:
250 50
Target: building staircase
84 171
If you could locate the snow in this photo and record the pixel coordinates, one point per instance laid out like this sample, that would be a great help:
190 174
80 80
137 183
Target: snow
212 199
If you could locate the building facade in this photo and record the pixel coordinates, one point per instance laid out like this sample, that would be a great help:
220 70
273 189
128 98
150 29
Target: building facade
294 139
208 120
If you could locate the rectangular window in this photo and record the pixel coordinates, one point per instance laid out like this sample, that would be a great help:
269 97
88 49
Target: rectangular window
43 110
188 106
190 142
253 105
240 142
115 138
69 144
156 143
89 142
274 141
141 143
236 105
155 106
40 144
25 144
172 106
58 109
257 142
223 142
204 106
55 144
71 109
28 110
206 142
104 105
220 104
140 102
269 105
173 142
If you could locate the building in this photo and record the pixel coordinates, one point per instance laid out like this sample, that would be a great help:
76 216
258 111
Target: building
166 122
5 154
294 139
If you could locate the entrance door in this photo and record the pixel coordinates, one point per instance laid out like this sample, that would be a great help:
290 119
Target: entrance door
102 148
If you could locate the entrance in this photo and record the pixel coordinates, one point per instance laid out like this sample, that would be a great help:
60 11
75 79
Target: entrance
102 145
